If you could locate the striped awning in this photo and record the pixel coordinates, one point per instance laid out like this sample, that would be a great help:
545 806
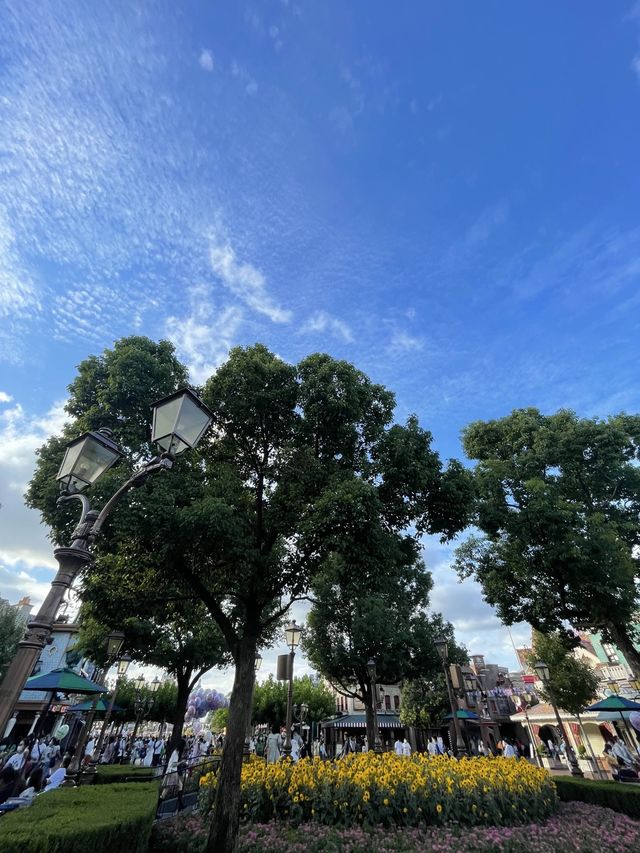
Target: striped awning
359 721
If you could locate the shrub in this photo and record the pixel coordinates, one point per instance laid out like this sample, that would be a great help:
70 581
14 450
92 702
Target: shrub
78 820
621 797
393 790
108 774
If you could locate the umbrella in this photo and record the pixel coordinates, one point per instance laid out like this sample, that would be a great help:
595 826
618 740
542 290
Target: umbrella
463 714
619 704
66 681
101 706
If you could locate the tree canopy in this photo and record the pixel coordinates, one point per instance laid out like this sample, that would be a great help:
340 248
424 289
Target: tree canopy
558 502
11 631
573 684
242 520
270 700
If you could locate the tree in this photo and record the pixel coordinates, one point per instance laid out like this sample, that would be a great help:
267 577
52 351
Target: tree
425 702
573 684
219 720
270 700
164 706
240 520
558 502
11 631
164 624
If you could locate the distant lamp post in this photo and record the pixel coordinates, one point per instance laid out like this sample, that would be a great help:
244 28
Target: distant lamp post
123 666
115 641
179 422
373 678
544 675
246 752
442 647
292 634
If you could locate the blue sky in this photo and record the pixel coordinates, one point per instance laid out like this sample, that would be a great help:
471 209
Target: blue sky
445 194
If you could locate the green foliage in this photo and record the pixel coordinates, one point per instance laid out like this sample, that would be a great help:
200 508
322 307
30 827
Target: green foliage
619 796
11 630
270 700
558 500
573 684
164 701
219 720
425 703
75 820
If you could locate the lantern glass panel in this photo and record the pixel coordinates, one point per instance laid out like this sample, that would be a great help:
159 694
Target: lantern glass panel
114 644
86 459
292 634
179 421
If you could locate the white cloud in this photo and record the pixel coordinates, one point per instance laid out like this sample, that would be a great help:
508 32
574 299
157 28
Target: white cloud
245 281
404 342
323 322
206 60
239 71
5 398
24 538
205 337
635 64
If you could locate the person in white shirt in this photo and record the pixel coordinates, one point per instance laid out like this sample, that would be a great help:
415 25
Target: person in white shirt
509 750
406 747
18 758
89 748
58 776
397 747
432 747
157 751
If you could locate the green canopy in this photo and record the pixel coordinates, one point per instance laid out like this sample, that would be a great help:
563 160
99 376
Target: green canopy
63 681
614 703
101 706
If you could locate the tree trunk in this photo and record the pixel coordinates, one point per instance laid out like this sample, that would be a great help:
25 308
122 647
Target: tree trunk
621 639
182 698
226 808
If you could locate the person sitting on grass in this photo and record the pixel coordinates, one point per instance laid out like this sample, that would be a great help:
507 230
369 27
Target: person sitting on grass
58 776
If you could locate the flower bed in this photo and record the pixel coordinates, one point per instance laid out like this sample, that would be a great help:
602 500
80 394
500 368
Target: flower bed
392 790
576 826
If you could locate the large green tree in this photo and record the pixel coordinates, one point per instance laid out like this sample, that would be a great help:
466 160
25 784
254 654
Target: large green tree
558 503
270 700
239 519
573 684
11 631
164 624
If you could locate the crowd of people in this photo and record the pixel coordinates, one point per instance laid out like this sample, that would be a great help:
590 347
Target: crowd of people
35 766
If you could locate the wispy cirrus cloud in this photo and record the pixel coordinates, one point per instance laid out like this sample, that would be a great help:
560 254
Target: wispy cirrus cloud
323 322
206 335
206 60
245 281
404 342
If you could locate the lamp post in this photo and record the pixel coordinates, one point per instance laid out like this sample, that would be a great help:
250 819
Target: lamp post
443 650
257 663
115 641
143 703
373 678
300 715
179 422
543 673
292 634
123 666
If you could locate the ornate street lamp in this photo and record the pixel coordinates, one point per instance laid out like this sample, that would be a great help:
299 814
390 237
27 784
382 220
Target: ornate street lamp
292 634
443 651
257 662
179 422
544 675
373 678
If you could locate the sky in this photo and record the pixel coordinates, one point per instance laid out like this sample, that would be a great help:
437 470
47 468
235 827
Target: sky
445 194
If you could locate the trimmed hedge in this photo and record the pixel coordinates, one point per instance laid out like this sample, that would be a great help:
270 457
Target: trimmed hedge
78 820
621 797
107 774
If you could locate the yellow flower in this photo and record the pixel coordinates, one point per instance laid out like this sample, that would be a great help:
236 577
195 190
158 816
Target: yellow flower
439 808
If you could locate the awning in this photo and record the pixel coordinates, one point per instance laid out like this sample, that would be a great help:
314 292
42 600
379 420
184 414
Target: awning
359 721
